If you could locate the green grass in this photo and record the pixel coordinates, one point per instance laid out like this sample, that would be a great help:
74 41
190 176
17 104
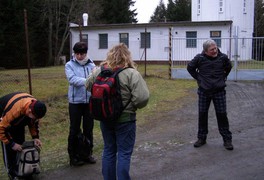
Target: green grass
50 85
250 64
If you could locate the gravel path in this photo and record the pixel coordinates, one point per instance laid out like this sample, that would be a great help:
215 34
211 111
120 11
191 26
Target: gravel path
164 148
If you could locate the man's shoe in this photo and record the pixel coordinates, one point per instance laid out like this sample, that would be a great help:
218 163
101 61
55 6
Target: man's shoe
228 145
90 160
199 143
76 162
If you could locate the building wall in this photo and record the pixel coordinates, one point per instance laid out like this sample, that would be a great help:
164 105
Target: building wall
181 53
159 50
241 12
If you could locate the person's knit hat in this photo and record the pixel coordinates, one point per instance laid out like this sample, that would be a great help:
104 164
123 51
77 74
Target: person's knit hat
80 47
38 109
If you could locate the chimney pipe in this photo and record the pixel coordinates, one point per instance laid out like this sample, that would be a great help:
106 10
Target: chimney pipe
85 19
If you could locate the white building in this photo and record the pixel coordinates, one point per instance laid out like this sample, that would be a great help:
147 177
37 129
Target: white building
100 38
217 19
241 12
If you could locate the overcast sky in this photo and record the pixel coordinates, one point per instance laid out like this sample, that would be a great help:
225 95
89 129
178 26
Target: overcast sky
146 8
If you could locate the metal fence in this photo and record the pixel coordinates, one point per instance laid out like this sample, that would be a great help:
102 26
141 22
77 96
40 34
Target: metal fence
246 54
45 82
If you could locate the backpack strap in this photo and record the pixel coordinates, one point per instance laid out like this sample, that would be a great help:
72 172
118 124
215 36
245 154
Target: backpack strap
12 103
116 72
27 144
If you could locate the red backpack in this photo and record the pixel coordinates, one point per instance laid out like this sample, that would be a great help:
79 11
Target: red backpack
106 102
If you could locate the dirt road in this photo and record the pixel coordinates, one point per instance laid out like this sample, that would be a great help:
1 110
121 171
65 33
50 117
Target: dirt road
164 148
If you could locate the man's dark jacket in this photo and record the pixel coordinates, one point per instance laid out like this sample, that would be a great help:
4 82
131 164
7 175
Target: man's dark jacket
210 73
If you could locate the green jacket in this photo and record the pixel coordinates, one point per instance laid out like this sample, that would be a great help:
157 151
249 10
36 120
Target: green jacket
133 88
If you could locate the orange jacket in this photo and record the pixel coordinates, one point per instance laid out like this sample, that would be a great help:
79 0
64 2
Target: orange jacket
13 109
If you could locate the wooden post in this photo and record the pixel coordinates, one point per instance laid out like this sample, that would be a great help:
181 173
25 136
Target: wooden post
145 48
80 30
27 47
170 60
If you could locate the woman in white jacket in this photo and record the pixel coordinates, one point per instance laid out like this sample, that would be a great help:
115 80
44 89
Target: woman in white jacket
77 70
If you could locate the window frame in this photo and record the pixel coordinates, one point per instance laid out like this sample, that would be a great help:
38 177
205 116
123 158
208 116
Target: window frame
221 6
216 36
103 41
245 6
191 39
84 38
198 7
148 40
124 40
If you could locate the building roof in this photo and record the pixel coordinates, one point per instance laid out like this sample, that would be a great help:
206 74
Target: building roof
159 24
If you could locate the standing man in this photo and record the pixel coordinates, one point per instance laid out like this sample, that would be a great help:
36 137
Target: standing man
210 69
16 111
77 70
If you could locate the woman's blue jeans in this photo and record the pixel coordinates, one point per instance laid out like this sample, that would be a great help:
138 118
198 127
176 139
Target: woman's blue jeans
119 141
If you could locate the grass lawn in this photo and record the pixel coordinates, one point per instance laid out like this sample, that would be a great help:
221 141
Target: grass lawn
50 85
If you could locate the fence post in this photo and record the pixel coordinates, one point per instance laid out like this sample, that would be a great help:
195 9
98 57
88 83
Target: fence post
145 49
236 51
27 46
170 60
80 30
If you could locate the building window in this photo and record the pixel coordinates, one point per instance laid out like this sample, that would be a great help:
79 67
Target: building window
198 7
216 36
245 6
243 42
221 6
103 41
145 40
124 38
191 39
84 38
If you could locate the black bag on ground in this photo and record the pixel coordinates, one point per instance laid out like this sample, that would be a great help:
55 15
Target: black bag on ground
28 160
83 148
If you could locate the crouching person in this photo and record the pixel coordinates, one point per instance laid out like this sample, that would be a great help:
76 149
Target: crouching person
18 110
